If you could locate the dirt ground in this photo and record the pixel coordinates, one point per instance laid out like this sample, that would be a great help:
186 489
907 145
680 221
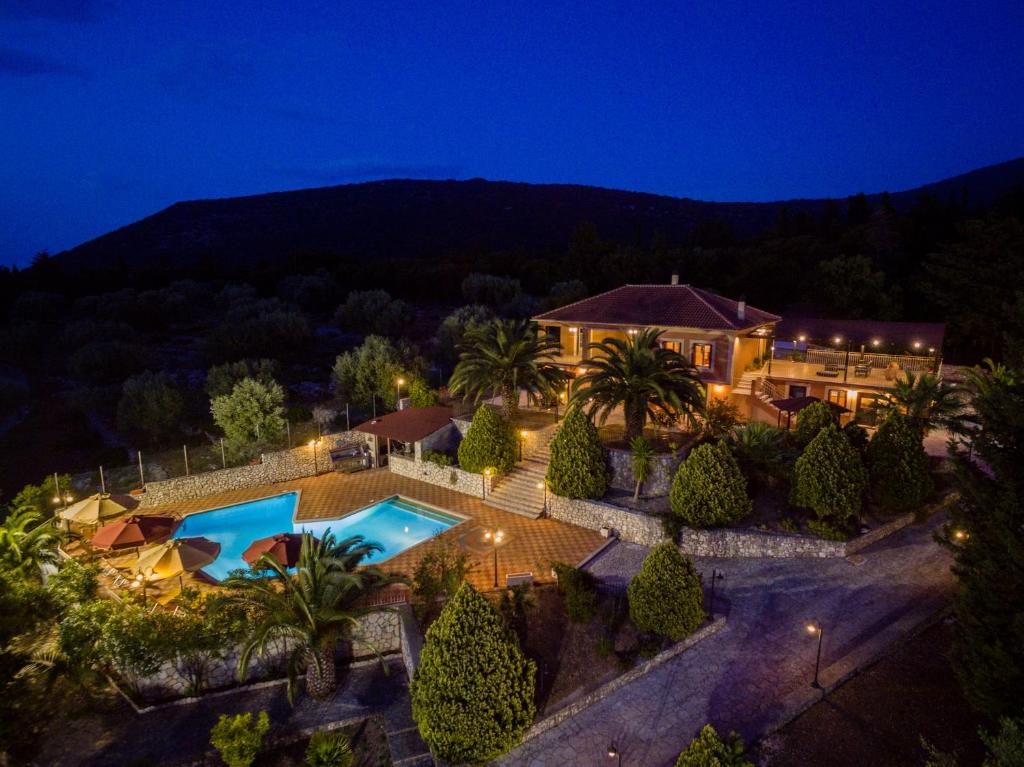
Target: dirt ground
879 717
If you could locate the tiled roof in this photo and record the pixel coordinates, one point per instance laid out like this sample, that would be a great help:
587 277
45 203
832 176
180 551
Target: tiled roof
676 306
409 425
899 335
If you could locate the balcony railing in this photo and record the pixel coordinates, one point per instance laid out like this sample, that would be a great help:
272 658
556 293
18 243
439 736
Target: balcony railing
838 365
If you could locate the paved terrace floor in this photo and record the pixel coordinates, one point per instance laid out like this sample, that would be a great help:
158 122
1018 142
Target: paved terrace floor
756 671
530 545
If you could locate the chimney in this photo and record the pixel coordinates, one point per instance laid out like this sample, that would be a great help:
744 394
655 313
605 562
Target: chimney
741 309
675 278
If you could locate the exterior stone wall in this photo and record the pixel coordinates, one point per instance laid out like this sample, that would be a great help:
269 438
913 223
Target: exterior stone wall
663 470
756 543
451 477
629 525
279 466
444 440
382 631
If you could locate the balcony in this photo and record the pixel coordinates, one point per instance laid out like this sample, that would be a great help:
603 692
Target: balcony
827 365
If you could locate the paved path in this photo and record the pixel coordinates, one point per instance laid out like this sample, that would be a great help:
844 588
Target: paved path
756 671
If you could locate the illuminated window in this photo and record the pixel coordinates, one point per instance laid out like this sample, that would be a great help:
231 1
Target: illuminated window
838 396
701 355
673 346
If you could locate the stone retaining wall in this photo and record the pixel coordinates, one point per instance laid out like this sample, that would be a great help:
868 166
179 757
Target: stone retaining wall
382 631
279 466
756 543
629 525
451 477
663 471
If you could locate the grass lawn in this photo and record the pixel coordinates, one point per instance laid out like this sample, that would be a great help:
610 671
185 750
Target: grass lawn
879 717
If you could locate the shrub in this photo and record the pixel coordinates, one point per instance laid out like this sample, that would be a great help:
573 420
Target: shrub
329 749
898 466
420 394
578 466
221 379
579 592
472 695
374 311
829 478
441 459
238 738
489 443
720 418
150 404
666 595
439 573
858 437
709 488
709 750
251 416
813 419
73 584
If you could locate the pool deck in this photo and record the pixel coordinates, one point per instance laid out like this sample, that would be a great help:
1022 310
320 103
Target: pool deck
531 545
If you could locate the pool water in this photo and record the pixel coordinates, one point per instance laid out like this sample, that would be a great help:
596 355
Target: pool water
395 524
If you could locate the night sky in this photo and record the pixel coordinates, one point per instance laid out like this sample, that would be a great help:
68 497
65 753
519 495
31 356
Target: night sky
113 110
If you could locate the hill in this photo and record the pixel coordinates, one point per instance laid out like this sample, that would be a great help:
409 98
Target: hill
420 219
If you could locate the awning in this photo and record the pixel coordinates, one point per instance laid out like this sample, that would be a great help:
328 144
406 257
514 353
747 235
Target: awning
409 425
796 404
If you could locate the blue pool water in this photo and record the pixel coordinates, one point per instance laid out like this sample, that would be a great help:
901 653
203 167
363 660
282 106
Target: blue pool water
396 524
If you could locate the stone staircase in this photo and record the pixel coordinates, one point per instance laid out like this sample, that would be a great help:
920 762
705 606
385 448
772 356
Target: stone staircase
746 383
521 491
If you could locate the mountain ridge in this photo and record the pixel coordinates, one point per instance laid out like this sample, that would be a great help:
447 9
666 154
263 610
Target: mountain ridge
432 218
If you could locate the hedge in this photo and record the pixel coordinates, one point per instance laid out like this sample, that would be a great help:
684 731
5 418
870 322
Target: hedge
709 750
666 596
578 466
489 443
709 489
811 420
472 694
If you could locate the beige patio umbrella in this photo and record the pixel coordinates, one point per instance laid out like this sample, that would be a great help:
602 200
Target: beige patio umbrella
176 557
93 510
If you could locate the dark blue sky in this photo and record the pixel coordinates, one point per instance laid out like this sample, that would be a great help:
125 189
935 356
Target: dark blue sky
112 110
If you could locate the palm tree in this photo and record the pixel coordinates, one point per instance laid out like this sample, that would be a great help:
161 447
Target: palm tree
26 542
308 611
641 462
646 379
506 356
926 401
760 449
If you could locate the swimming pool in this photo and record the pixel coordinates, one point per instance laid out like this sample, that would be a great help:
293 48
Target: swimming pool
395 523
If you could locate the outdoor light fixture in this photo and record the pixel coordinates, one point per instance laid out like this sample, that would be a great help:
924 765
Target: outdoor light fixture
495 538
316 466
614 753
522 441
801 339
483 483
837 340
931 350
812 629
917 344
398 390
960 535
573 330
875 342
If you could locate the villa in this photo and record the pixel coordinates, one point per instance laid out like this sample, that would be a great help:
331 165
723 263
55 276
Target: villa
750 356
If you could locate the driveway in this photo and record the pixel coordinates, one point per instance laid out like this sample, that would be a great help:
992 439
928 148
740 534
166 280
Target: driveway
756 672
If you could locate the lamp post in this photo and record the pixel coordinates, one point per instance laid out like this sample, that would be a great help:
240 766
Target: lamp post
398 390
495 539
522 441
316 465
544 485
715 576
812 629
483 483
614 753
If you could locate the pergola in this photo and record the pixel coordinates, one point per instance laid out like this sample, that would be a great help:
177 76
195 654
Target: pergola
792 405
407 426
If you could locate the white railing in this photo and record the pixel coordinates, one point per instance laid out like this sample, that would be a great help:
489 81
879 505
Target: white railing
770 390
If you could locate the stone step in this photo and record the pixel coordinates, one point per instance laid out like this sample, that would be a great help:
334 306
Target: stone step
512 507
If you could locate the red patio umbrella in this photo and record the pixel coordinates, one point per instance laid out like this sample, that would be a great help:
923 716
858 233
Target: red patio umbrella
137 530
284 547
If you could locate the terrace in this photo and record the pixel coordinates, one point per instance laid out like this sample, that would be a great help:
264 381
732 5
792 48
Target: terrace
805 362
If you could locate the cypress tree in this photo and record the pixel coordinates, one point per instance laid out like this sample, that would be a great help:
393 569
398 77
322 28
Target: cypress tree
811 420
472 694
709 489
829 478
578 467
898 466
489 443
666 595
987 540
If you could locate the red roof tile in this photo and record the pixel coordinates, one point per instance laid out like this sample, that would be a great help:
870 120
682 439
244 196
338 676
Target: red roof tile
409 425
678 306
